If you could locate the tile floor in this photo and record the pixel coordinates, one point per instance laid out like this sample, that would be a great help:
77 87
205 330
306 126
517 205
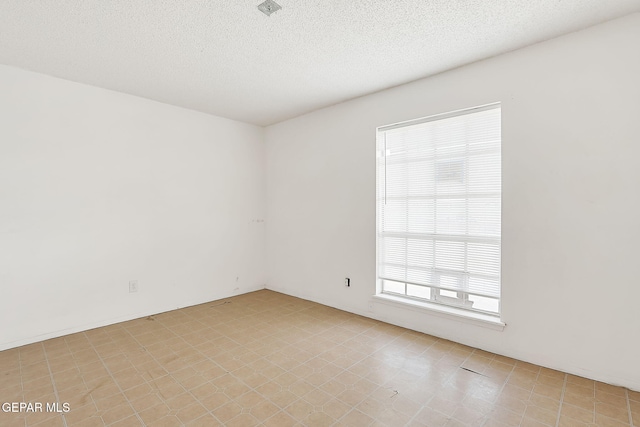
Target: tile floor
269 359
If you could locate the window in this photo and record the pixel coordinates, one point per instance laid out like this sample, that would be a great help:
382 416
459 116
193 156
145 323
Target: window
438 209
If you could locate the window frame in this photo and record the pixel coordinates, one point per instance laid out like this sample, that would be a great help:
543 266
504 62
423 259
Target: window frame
461 300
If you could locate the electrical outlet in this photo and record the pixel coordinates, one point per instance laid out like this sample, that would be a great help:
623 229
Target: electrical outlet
133 286
347 282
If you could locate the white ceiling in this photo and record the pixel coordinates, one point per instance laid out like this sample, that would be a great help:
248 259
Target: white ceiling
227 58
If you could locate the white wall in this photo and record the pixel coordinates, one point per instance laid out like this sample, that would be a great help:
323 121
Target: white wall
98 188
571 200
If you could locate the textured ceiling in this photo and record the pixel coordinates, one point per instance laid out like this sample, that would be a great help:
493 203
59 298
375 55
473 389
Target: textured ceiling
227 58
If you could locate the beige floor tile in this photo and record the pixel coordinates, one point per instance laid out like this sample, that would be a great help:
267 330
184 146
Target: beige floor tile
41 417
191 413
505 416
168 421
493 423
583 401
607 388
570 422
534 422
618 413
635 411
243 420
227 411
281 419
206 420
109 402
154 413
431 417
541 415
117 413
319 419
283 398
469 416
604 421
50 422
131 421
576 413
249 399
618 398
300 409
88 422
335 408
355 418
317 397
75 415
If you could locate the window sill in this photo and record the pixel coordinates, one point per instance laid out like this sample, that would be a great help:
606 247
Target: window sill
453 313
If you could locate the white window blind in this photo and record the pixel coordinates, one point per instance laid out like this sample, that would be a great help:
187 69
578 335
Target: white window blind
438 208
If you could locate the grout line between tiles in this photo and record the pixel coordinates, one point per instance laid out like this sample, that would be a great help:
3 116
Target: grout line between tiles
21 380
53 383
564 387
626 395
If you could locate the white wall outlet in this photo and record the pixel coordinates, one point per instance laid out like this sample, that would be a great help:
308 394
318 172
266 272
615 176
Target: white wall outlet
133 286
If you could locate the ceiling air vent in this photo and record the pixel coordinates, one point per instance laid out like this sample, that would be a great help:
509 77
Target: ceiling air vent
268 7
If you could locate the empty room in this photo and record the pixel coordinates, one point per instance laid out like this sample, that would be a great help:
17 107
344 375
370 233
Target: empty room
304 213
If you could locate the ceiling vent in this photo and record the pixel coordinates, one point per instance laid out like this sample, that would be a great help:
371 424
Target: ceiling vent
268 7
